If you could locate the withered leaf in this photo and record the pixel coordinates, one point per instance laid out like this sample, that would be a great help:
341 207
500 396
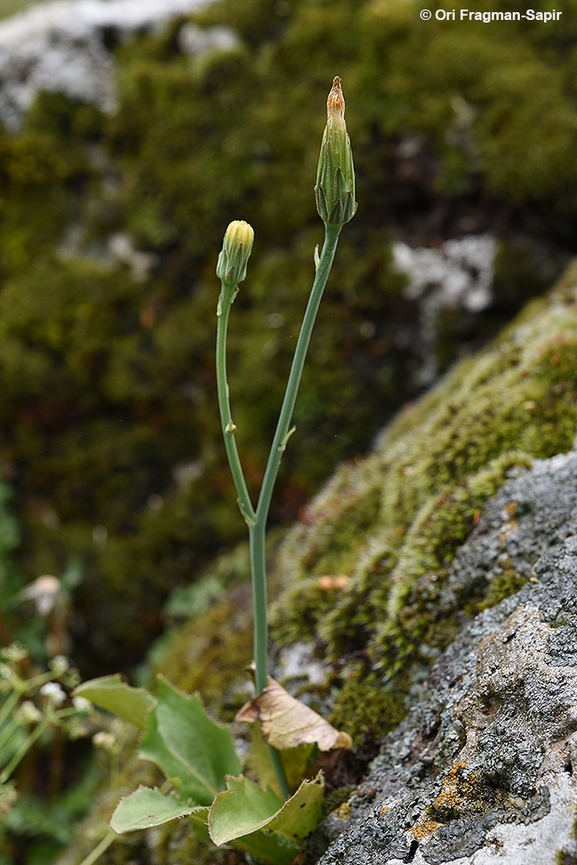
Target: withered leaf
287 723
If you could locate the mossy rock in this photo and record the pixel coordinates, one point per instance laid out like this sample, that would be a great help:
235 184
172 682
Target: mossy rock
432 470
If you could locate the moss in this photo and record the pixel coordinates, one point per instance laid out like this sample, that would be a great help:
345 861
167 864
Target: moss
367 710
507 583
211 652
438 462
337 798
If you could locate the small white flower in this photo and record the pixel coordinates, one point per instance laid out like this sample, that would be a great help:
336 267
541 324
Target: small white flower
59 664
46 592
28 713
81 704
104 740
14 653
54 693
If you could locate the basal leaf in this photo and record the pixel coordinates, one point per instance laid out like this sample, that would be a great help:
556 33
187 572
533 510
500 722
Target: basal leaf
114 695
301 813
153 748
192 750
148 807
244 809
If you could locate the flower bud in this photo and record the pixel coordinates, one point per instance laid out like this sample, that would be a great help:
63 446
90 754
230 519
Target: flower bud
335 186
236 249
28 713
53 692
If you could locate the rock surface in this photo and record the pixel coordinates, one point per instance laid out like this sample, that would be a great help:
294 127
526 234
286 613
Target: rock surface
481 770
61 47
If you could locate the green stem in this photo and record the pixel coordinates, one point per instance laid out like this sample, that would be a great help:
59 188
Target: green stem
26 744
332 233
100 848
9 730
226 298
8 705
257 520
257 532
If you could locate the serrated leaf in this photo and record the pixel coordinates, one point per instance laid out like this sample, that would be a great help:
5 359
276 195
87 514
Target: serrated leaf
300 814
244 809
114 695
194 752
148 807
287 723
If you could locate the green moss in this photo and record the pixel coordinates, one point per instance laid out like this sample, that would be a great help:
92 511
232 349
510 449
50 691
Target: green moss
336 798
507 583
367 710
438 463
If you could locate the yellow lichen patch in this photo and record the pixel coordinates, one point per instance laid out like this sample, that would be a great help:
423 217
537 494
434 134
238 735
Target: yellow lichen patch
424 828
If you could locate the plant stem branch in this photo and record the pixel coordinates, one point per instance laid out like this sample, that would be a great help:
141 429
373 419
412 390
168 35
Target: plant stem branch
257 520
228 428
258 563
26 744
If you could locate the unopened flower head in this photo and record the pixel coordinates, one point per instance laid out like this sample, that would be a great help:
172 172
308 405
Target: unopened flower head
59 664
335 186
236 249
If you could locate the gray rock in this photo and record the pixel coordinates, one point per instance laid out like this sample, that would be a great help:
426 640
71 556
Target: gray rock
481 770
61 47
457 275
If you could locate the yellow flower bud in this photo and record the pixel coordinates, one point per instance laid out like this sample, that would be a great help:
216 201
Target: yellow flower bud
236 249
335 186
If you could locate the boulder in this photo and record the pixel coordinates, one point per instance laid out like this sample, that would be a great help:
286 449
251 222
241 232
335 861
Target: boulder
481 770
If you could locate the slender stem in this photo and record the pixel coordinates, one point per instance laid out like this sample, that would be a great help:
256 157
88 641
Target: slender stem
332 233
8 705
260 603
258 530
100 848
26 744
8 730
257 520
228 428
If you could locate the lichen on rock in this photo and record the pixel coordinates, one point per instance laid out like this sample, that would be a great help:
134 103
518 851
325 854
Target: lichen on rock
481 771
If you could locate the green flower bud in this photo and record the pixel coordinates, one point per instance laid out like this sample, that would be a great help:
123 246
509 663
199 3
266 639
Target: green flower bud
335 186
236 249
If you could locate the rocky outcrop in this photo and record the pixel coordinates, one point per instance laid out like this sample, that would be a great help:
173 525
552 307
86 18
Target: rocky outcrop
481 770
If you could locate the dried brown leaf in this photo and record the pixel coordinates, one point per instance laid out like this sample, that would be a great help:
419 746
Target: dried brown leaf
287 723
